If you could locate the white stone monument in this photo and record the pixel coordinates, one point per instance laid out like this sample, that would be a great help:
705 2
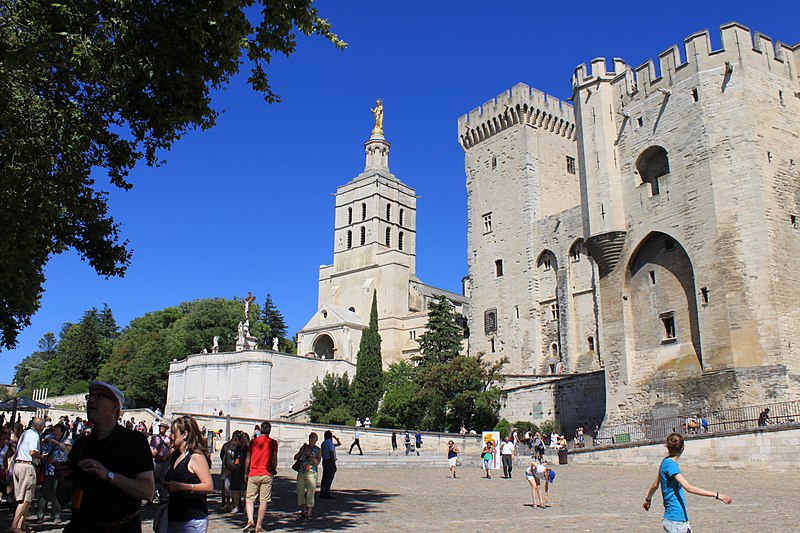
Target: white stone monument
245 341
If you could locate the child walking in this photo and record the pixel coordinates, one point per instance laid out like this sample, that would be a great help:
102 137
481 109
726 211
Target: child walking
672 482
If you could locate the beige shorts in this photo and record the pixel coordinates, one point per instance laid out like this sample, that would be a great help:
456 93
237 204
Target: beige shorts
24 482
257 487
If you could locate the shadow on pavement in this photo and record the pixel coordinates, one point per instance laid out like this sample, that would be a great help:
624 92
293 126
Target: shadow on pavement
283 511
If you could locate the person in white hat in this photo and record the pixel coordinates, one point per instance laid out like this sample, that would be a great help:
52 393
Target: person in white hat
112 469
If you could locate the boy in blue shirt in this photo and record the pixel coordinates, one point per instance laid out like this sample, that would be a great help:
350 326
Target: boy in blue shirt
672 482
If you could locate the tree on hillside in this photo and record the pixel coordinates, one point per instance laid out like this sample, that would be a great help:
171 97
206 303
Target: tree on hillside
368 382
105 84
29 370
275 327
81 350
139 362
441 341
87 344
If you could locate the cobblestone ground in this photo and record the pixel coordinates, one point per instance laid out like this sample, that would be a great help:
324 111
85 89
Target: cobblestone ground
584 499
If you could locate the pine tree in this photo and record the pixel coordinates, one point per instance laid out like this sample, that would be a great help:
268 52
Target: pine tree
368 383
276 326
441 341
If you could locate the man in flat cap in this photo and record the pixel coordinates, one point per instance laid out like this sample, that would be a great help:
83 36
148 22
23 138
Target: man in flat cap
112 469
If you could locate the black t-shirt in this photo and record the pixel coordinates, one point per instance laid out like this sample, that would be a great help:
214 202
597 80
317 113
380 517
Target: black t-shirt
123 452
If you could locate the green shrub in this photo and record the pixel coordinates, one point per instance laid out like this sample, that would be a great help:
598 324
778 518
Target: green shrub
550 426
523 426
504 427
339 415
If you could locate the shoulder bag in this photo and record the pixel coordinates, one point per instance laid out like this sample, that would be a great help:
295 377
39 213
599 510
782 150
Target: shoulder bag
161 520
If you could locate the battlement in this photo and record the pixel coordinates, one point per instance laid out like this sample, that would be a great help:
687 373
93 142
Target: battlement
739 45
522 104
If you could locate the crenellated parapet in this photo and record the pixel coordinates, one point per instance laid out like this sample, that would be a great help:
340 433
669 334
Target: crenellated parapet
520 105
739 47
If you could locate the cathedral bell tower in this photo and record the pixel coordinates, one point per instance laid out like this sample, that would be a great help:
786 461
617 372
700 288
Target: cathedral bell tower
374 251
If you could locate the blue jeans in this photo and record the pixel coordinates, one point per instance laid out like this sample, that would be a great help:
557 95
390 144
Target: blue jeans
198 525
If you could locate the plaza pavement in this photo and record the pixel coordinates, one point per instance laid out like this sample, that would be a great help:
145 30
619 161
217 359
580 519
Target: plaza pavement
584 499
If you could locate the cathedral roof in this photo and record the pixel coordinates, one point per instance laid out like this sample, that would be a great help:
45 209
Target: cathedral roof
332 316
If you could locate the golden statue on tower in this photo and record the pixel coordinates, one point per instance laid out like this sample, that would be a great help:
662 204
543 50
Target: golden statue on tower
378 113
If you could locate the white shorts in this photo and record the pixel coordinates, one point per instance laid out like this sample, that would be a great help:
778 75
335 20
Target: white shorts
453 461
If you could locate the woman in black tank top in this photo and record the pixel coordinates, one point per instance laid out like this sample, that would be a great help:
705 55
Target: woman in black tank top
188 478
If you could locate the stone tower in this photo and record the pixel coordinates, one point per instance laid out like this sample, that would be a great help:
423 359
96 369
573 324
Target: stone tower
690 203
532 282
374 249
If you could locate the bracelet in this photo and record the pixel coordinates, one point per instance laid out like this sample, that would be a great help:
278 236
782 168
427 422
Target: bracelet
191 488
648 499
717 496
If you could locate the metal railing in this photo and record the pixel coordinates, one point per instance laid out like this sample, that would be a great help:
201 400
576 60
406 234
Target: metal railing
711 421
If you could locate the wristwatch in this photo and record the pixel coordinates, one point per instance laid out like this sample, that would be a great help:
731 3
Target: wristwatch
110 476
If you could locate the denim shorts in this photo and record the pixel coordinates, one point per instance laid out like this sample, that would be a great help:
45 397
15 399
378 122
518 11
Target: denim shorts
670 526
198 525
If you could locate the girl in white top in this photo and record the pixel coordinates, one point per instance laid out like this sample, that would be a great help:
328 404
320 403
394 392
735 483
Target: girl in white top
536 474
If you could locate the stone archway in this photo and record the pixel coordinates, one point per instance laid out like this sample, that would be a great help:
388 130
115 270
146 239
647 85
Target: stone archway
323 346
664 302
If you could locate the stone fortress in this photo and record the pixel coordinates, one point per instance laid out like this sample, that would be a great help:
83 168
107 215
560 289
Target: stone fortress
629 253
650 229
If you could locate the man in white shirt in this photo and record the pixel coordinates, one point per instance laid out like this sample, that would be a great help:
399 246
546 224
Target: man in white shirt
507 455
25 461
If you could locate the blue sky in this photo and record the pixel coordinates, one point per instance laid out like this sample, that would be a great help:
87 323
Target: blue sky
248 206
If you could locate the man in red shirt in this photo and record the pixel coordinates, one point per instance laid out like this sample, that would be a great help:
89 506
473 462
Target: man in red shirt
259 467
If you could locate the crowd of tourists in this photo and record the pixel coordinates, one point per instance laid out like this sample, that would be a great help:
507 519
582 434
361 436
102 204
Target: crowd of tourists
104 468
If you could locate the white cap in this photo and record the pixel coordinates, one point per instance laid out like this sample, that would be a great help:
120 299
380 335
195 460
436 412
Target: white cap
110 389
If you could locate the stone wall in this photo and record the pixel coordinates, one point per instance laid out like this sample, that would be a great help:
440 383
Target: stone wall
707 239
573 400
292 435
253 383
533 299
771 448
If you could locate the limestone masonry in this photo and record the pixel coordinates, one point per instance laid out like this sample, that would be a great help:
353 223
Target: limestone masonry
650 229
375 250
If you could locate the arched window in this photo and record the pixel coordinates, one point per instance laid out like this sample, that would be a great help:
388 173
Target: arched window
389 237
388 212
652 164
363 211
402 216
400 241
590 340
349 239
363 235
349 215
554 349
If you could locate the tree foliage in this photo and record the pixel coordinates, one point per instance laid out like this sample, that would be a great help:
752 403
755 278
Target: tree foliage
441 341
368 382
100 84
446 388
275 326
81 350
330 400
137 359
29 369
